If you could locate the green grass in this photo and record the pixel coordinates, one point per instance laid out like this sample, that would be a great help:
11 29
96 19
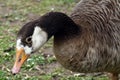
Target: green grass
14 14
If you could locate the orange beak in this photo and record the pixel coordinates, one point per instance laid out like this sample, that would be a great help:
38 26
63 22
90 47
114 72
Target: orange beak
21 57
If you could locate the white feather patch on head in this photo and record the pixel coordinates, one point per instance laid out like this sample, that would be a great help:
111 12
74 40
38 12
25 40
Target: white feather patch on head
39 37
18 44
27 49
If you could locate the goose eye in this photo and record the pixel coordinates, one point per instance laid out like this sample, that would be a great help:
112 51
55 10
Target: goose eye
29 39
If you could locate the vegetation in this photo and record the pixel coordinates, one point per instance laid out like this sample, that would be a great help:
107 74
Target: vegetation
42 65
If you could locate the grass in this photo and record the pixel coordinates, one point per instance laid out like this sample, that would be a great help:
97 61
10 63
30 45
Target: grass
42 65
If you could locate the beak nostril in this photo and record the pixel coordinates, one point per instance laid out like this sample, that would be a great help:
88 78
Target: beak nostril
19 60
20 57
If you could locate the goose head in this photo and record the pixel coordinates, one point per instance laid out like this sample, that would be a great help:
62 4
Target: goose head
35 34
30 39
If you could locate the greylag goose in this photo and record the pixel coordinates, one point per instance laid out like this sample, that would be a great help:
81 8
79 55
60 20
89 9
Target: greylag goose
87 41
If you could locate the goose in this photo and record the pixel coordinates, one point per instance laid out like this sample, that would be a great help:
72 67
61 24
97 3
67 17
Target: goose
87 41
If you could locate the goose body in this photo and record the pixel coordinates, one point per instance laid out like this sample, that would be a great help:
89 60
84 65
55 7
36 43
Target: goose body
87 41
97 47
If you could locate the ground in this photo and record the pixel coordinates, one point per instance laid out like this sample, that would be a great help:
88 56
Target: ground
43 64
